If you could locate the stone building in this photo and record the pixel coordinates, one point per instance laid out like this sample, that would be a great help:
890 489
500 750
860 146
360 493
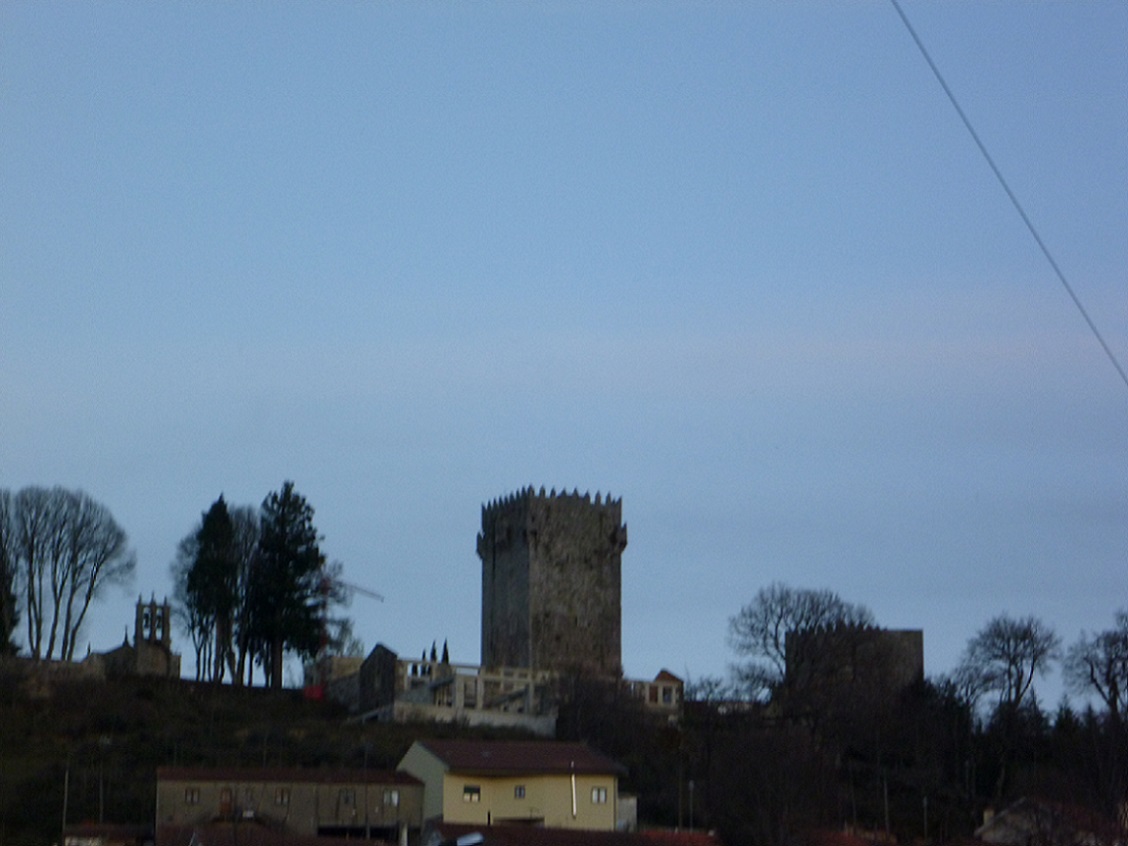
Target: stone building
879 663
662 697
150 654
392 689
551 582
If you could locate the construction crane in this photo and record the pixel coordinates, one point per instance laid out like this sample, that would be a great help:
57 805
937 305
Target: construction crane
351 588
336 589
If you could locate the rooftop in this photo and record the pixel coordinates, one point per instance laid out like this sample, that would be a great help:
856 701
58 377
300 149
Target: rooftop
498 757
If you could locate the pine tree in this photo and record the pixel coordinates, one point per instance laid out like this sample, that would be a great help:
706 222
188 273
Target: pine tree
287 582
213 581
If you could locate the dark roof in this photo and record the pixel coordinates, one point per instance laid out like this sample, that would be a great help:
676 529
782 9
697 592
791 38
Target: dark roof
520 757
238 834
1032 817
289 775
523 835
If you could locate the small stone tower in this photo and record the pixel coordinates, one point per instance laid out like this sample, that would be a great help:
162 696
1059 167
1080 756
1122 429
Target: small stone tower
152 641
551 585
153 623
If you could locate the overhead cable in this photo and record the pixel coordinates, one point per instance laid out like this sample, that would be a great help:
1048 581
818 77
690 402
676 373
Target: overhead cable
1014 199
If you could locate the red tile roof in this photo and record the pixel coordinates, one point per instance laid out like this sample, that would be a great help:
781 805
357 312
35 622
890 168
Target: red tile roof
831 837
520 757
663 837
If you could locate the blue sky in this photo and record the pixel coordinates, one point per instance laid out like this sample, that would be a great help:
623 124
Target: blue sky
739 264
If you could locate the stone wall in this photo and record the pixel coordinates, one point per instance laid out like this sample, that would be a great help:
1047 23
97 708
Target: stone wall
377 679
883 662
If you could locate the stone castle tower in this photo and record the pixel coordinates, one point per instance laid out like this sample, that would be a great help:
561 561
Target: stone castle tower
551 585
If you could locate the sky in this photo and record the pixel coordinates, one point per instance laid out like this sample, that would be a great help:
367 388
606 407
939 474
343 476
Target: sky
739 264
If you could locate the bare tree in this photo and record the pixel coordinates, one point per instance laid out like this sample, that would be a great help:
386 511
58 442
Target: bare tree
759 631
31 515
194 620
245 520
1005 656
9 574
68 549
97 555
1099 664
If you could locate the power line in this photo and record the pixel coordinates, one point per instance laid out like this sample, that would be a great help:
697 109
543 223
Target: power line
1006 187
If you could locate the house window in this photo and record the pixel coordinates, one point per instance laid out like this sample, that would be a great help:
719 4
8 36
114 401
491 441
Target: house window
282 796
519 791
667 696
191 796
391 798
599 795
471 793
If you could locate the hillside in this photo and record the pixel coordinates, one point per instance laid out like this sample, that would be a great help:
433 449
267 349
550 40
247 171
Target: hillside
98 744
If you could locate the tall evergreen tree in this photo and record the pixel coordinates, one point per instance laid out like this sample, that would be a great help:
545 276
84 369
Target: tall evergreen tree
287 583
211 574
213 582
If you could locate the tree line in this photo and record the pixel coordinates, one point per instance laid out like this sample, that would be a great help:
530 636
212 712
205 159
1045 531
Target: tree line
833 742
252 585
59 550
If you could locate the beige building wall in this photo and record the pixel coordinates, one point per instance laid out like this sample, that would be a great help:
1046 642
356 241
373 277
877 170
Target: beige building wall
420 763
548 800
301 807
554 799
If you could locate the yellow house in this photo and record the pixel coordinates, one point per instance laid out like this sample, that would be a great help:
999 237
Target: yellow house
555 785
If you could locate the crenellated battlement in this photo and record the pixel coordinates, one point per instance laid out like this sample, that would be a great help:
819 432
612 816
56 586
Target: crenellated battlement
524 497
